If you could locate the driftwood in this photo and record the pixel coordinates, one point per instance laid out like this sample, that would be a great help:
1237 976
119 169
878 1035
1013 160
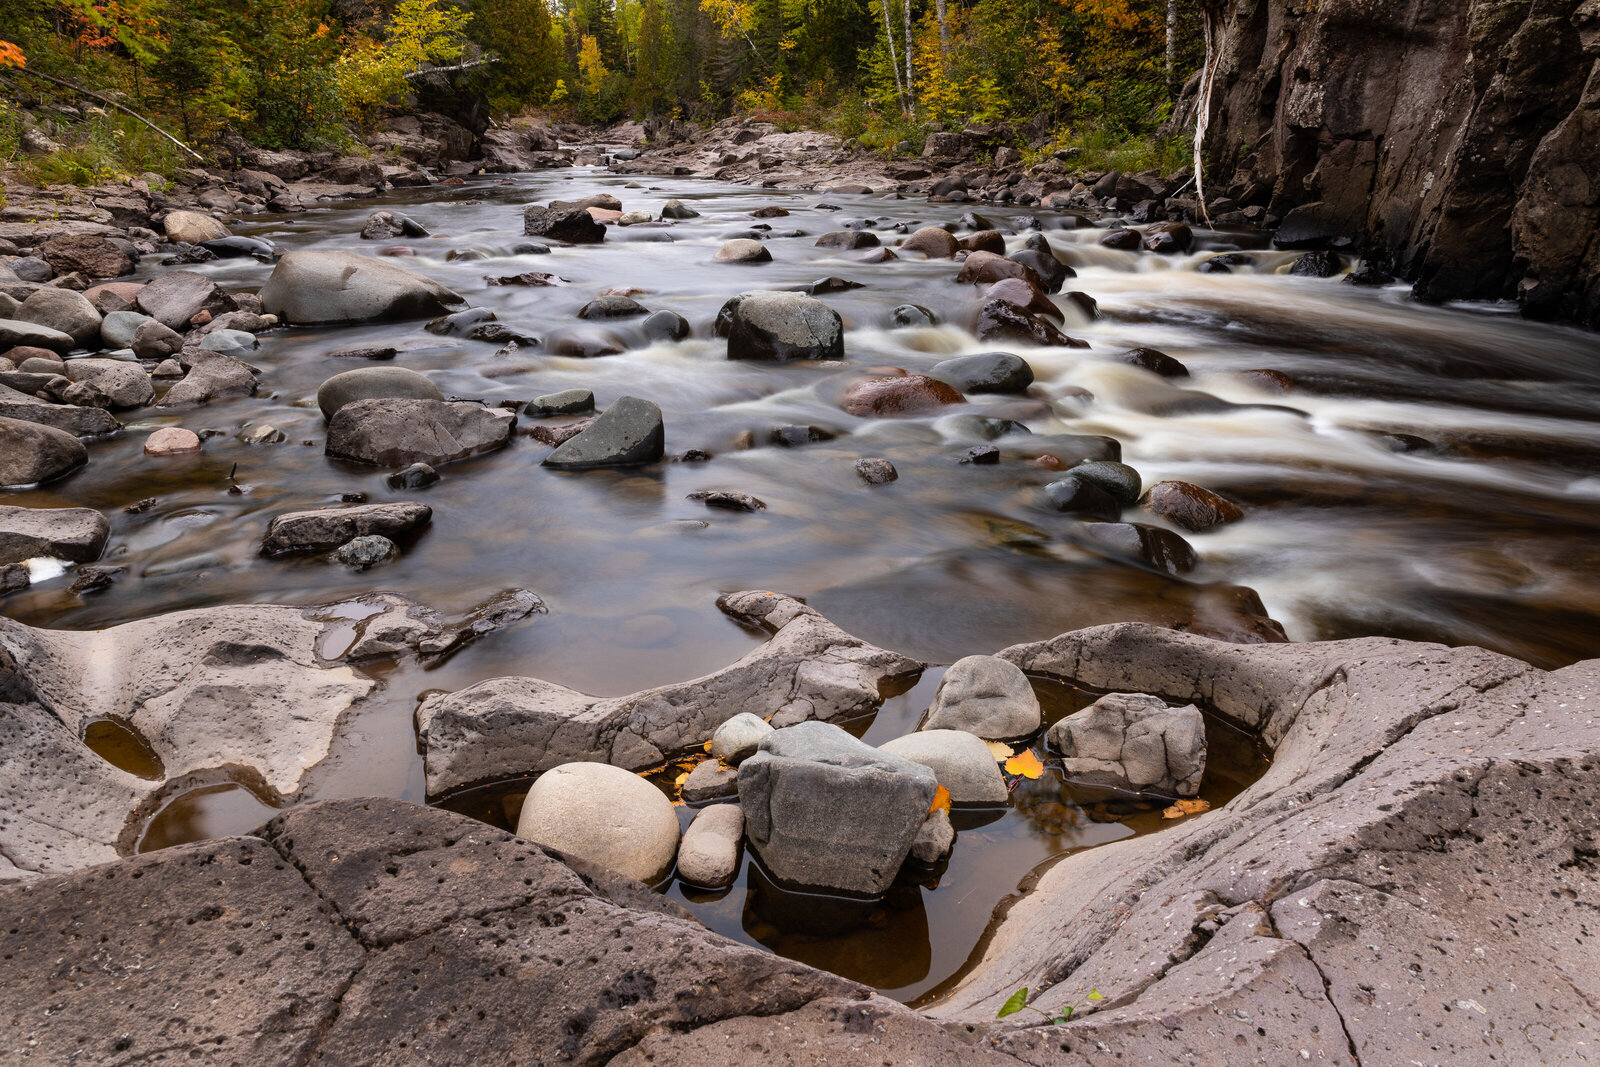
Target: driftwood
109 103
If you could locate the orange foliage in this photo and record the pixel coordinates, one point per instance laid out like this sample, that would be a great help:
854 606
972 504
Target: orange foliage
11 55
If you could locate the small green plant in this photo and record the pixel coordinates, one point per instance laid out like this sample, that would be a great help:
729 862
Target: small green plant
1018 1001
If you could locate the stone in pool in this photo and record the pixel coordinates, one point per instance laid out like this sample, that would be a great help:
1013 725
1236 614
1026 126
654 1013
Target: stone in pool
395 433
1134 741
826 811
987 372
709 855
324 288
364 553
76 534
986 696
373 383
960 760
630 433
322 529
739 738
780 326
605 815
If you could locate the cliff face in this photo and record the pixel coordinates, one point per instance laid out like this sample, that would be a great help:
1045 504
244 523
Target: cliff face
1457 139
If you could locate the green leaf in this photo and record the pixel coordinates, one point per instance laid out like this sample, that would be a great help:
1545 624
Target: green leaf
1066 1014
1095 994
1015 1003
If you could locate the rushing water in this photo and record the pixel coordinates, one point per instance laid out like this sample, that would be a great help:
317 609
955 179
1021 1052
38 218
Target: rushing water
1486 535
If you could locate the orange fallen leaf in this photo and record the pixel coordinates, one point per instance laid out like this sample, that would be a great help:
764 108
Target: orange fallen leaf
999 749
1185 807
1026 764
677 783
707 746
941 800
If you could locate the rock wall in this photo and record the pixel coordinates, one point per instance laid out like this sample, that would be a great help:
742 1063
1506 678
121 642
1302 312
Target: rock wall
1457 139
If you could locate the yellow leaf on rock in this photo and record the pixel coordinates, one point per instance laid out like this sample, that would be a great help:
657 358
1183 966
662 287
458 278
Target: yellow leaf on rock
941 800
999 749
1026 764
1186 807
677 783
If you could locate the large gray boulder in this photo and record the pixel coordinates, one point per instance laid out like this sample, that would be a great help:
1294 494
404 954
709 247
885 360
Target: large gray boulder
374 383
629 433
66 311
118 328
826 811
191 227
326 288
987 696
395 433
212 377
780 326
573 225
505 727
986 372
1134 741
961 761
604 815
76 534
18 333
176 297
126 383
325 529
30 453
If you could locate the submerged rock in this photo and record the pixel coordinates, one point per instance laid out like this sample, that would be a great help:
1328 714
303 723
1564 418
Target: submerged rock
604 815
1134 741
364 553
824 810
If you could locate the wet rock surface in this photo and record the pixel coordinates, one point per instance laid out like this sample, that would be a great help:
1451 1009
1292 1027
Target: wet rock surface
397 432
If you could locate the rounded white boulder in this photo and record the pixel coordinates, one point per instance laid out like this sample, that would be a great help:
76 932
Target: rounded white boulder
605 815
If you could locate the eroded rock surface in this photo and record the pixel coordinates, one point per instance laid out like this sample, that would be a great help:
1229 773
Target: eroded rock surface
504 727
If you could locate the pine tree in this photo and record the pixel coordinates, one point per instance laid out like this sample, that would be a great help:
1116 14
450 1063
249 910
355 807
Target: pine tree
655 70
519 33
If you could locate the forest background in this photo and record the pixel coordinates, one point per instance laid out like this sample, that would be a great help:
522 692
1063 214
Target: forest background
1097 76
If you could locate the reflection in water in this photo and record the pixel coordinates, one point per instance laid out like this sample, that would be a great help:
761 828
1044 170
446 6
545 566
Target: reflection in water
123 747
208 811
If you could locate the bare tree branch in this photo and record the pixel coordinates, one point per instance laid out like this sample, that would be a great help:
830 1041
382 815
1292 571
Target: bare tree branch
109 103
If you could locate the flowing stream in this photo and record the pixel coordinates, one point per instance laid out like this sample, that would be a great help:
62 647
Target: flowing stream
1428 473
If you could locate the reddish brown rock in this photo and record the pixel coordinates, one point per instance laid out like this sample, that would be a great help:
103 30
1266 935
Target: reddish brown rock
932 242
912 394
1194 508
986 267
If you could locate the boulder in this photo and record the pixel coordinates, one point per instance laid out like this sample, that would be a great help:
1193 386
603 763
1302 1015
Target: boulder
629 433
1194 508
125 383
191 227
373 383
603 201
984 268
1073 495
665 326
742 250
709 854
92 255
323 529
1004 321
612 307
566 402
153 340
710 780
986 696
989 372
31 453
959 759
76 534
65 311
79 421
212 378
780 326
230 342
171 441
1122 240
1051 271
826 811
572 225
1317 265
397 432
368 551
17 333
905 394
932 242
1134 741
176 297
1169 238
1117 479
935 838
876 471
677 209
739 737
326 288
388 225
848 239
118 327
603 815
1152 546
1154 361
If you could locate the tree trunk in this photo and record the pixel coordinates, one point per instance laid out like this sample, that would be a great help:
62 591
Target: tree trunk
944 30
894 61
911 95
1172 46
1211 14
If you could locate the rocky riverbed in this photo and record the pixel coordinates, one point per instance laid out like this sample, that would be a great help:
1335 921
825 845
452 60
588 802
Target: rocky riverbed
640 515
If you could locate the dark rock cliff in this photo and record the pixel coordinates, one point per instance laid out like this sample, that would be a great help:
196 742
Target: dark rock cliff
1458 140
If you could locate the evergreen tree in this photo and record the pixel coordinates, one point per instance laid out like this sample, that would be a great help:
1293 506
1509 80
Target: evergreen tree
520 34
655 67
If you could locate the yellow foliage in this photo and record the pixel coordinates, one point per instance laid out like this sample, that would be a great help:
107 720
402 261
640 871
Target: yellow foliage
1185 807
1026 764
370 72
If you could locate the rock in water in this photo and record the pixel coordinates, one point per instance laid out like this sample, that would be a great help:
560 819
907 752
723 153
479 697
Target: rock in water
709 855
742 250
191 227
373 383
989 372
364 553
573 225
987 696
176 297
30 452
66 311
325 288
321 529
711 780
1134 741
960 760
126 384
826 811
172 441
605 815
18 333
931 242
780 326
1194 508
905 394
76 534
739 738
934 839
1118 479
629 434
395 433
